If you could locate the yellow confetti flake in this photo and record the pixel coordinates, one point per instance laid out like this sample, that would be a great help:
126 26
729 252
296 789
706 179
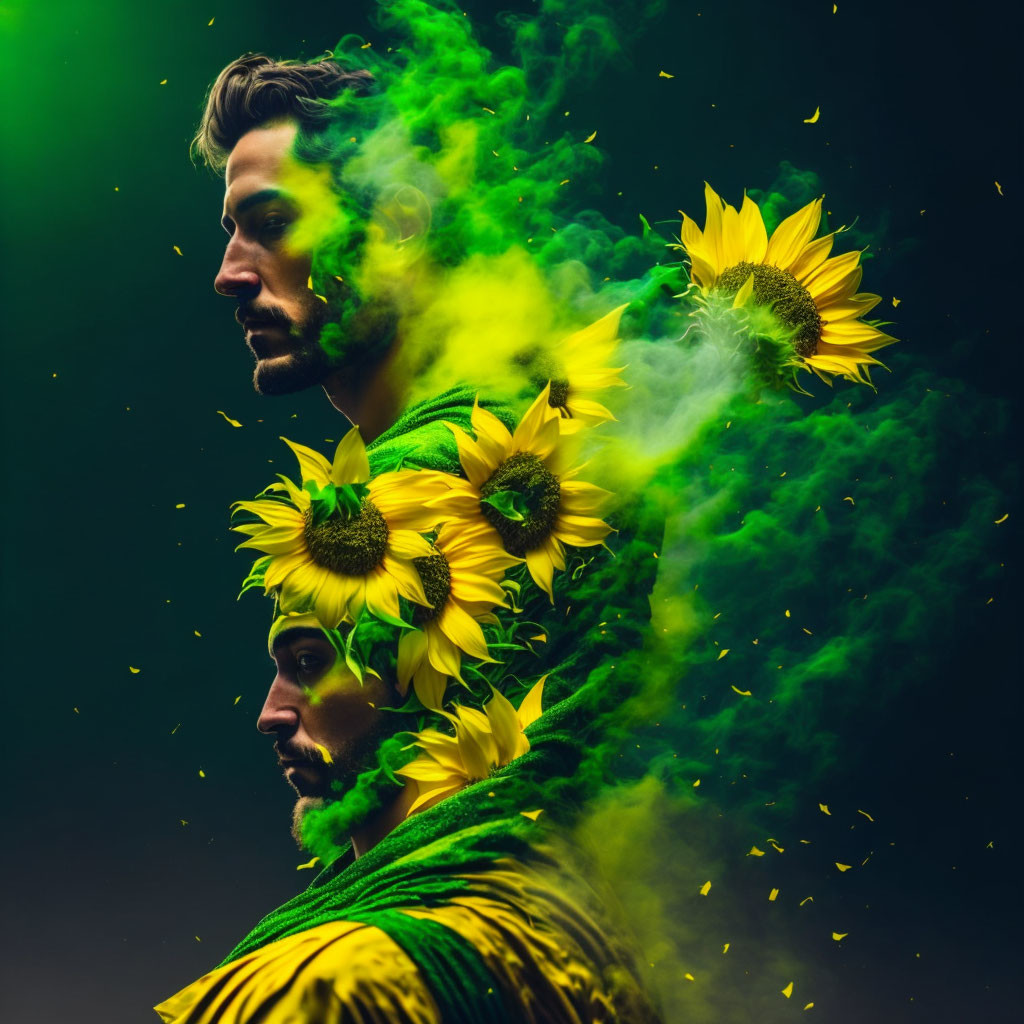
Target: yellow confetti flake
809 1005
787 613
196 937
776 847
590 137
134 671
176 728
788 990
723 652
806 899
755 641
237 699
824 809
309 864
895 302
197 633
209 23
163 81
742 693
202 774
835 7
865 813
813 119
76 711
999 188
705 889
177 250
696 783
843 867
665 74
689 977
807 631
755 852
365 46
773 895
541 638
725 949
1002 519
324 753
806 842
839 936
184 822
180 505
850 500
565 181
532 815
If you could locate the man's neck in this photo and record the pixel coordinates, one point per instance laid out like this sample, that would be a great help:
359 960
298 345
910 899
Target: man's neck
373 400
378 825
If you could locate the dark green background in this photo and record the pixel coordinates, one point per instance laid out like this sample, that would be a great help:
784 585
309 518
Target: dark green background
118 354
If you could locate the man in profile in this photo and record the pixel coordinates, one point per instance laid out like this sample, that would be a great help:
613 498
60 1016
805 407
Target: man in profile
470 910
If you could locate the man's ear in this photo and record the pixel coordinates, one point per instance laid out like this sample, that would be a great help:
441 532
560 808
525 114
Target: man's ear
402 212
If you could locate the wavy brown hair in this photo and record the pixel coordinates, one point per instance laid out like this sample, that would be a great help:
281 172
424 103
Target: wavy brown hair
256 89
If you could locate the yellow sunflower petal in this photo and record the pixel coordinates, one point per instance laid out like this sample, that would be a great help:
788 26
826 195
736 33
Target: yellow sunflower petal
273 540
407 579
855 334
473 459
755 236
340 597
491 434
713 247
579 498
284 565
471 588
412 648
408 544
538 429
530 706
837 278
463 631
539 563
303 586
792 235
580 531
587 381
425 769
351 465
411 499
850 309
508 737
312 465
814 254
476 742
430 793
587 411
430 686
273 513
382 595
442 653
443 749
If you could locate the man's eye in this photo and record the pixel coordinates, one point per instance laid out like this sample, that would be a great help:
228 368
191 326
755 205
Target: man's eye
274 225
307 663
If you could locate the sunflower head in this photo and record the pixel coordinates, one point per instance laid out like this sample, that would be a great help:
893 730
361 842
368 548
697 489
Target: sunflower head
794 307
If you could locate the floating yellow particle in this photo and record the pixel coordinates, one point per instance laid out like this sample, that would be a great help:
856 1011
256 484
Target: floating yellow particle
742 693
176 728
787 613
134 671
865 813
202 774
813 119
590 137
163 81
237 699
725 949
809 1005
1002 519
850 500
723 652
565 181
839 936
309 864
209 23
177 250
895 302
835 7
843 867
755 852
806 899
76 711
687 976
807 631
696 783
776 847
541 638
665 74
533 815
773 895
184 822
705 889
180 504
324 753
234 423
788 990
197 633
824 809
999 188
196 937
365 46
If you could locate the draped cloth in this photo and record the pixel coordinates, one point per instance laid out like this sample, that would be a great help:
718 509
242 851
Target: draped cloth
471 912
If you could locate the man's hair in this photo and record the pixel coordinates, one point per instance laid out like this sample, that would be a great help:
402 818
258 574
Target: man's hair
256 89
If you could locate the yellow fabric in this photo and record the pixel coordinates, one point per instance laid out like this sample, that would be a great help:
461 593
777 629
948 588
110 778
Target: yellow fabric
553 961
334 973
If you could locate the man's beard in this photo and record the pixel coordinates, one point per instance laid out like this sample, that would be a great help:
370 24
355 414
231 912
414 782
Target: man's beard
306 362
335 780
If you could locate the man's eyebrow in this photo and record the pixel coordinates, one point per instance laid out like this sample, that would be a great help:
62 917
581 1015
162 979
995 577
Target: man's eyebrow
288 636
265 195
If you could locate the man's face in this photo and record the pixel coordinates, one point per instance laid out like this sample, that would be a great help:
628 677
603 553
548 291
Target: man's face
315 701
280 316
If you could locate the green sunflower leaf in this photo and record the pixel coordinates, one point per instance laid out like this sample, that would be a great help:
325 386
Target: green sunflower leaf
511 504
256 574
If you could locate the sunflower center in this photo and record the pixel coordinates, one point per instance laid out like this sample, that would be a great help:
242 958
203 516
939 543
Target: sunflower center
559 394
436 577
537 498
790 301
349 544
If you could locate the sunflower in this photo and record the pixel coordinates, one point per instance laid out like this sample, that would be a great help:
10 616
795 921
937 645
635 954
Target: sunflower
483 740
460 580
342 542
522 485
813 297
580 370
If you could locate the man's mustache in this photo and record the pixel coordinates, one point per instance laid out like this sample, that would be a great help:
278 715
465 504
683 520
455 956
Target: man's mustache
261 314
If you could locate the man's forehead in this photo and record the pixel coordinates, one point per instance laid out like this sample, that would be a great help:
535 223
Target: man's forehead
255 162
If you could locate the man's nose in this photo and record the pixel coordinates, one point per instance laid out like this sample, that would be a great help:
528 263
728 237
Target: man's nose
236 278
280 713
